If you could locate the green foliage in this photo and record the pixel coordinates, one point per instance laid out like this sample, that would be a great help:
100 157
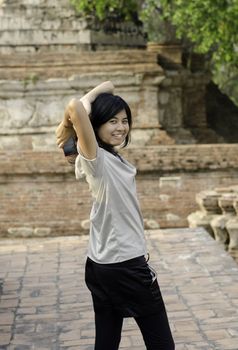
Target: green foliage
212 28
209 26
32 78
126 9
157 26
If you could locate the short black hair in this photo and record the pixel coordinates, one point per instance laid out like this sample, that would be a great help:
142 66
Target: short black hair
104 108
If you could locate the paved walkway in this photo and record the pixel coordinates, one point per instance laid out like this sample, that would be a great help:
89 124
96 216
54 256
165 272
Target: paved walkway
45 305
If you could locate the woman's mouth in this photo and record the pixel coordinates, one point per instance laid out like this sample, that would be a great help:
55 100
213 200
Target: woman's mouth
118 135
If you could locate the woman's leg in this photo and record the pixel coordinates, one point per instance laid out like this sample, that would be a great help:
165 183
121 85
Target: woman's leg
156 331
108 330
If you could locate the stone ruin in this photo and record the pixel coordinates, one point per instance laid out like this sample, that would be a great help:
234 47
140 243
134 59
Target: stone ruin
48 54
218 214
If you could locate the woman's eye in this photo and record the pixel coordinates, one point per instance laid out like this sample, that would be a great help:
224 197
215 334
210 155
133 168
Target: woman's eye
114 121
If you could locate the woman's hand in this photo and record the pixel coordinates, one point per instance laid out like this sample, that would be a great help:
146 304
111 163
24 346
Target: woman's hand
106 86
63 132
87 99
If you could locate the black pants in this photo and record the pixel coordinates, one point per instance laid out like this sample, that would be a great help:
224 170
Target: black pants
127 289
154 328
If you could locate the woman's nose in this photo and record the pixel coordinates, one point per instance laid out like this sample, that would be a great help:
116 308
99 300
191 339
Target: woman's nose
120 126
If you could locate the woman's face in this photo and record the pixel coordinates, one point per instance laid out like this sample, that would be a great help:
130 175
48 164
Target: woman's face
115 130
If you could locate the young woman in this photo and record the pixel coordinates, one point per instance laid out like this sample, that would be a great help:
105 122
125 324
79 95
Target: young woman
121 282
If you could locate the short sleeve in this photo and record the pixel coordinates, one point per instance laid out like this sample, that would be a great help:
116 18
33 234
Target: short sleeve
89 167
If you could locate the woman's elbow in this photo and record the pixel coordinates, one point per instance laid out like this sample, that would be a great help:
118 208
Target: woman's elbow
72 105
75 106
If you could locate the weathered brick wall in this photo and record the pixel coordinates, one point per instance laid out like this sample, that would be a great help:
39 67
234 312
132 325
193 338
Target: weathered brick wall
44 61
30 113
48 55
40 196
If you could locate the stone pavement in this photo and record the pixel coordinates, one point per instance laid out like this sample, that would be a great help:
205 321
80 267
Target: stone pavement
44 303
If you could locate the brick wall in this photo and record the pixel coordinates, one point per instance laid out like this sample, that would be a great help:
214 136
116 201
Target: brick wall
40 196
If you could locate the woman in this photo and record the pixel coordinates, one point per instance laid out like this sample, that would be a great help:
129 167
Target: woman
121 282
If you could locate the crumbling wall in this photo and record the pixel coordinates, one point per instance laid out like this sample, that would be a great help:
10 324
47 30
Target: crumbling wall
40 196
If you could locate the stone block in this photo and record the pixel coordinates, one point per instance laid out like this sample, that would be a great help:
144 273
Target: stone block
235 204
164 97
224 225
226 203
201 219
85 224
15 113
42 232
20 232
232 228
170 181
218 225
47 113
151 224
208 202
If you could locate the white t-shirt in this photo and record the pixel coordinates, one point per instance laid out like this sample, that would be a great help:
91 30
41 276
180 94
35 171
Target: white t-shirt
116 230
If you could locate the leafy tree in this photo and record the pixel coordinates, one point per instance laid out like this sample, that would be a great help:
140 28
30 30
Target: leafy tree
209 26
157 26
125 9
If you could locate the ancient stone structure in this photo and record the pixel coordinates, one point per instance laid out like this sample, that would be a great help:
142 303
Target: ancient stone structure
218 224
222 114
218 214
209 210
30 112
42 25
47 56
40 196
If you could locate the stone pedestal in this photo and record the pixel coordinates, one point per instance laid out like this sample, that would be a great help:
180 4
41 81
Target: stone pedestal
219 214
209 210
232 227
208 202
218 224
201 219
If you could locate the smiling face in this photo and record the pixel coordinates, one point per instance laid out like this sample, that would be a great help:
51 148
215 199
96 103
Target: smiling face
115 130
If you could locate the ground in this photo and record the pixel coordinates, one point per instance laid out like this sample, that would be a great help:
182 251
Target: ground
44 303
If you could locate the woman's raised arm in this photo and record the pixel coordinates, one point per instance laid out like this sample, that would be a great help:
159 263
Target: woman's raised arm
77 117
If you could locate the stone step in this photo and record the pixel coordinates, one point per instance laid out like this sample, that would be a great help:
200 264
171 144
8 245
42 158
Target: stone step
51 65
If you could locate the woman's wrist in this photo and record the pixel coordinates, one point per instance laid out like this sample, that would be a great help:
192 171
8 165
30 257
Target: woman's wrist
88 99
67 123
86 103
105 87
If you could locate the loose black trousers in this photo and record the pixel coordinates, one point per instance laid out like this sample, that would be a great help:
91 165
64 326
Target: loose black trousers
127 289
154 328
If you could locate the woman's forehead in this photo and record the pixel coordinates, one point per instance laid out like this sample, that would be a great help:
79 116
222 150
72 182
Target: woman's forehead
122 114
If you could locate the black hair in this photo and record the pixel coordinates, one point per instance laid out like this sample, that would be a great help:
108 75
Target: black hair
104 108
